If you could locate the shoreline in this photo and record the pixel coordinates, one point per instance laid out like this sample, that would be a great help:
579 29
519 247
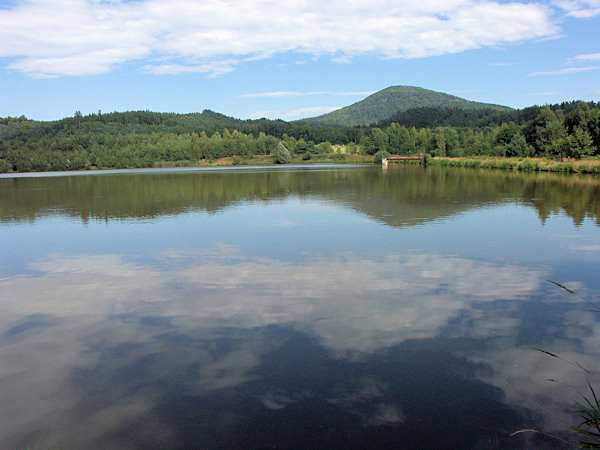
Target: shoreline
571 166
583 166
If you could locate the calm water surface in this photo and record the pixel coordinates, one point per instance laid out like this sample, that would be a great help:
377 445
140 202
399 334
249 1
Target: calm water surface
293 307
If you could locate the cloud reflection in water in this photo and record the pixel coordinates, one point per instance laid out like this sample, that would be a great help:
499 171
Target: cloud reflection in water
89 341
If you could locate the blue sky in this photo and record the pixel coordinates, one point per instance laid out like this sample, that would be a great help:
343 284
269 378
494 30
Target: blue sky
289 59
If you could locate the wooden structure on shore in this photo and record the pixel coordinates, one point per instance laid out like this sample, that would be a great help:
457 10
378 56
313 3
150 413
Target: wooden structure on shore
385 161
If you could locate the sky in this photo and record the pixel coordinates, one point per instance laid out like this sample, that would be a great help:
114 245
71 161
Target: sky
289 59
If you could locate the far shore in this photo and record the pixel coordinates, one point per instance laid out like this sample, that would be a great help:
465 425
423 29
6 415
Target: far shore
560 165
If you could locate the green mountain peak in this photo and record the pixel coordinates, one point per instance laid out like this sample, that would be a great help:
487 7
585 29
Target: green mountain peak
389 101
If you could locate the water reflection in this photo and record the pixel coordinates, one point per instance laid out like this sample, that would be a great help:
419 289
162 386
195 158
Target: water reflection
102 351
400 197
351 304
313 307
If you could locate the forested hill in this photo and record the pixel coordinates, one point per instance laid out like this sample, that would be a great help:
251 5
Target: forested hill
451 116
148 139
21 129
395 99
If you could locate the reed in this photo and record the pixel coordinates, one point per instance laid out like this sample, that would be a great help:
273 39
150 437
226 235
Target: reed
523 164
587 406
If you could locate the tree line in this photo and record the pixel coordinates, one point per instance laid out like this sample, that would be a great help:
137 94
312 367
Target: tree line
551 132
145 139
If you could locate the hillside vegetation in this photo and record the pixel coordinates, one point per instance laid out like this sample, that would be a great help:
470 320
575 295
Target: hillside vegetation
395 99
149 139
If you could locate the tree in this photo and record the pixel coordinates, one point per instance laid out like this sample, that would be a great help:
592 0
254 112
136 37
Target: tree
380 140
325 147
282 155
5 166
399 139
78 118
578 144
367 145
548 131
439 137
506 132
452 142
579 117
380 155
517 146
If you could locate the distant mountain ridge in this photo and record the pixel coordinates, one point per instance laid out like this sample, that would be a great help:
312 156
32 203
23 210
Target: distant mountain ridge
392 100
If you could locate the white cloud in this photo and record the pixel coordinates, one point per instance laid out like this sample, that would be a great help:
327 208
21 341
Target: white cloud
582 9
588 57
567 71
273 292
342 59
79 302
213 68
309 111
517 369
78 37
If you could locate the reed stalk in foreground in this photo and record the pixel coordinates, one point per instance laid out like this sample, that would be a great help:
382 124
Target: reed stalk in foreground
587 408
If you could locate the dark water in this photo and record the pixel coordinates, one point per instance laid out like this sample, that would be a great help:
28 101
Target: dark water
292 307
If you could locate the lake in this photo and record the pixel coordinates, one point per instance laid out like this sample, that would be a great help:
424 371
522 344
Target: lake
306 306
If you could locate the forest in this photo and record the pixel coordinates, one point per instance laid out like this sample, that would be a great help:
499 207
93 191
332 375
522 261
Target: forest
138 139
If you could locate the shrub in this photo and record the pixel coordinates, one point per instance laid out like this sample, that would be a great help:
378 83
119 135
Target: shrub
325 147
282 155
5 166
381 154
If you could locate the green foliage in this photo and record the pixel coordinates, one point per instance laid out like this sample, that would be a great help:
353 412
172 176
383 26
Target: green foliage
325 147
517 146
589 415
385 103
452 116
282 155
146 139
5 166
380 155
367 145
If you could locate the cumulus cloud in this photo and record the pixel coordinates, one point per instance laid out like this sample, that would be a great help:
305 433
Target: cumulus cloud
78 37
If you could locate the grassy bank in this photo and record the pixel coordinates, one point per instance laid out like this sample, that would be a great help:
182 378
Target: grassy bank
264 160
590 165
